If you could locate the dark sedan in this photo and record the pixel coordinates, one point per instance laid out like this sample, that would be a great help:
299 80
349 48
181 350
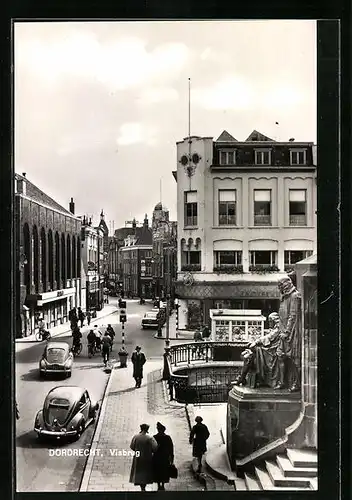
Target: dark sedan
67 411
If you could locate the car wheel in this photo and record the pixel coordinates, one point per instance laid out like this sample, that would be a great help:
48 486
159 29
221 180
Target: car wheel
68 375
80 429
41 375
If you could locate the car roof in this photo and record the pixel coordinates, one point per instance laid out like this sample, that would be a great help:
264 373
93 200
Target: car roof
151 312
58 345
70 392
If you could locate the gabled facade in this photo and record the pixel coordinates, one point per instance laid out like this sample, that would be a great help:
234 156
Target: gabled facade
246 213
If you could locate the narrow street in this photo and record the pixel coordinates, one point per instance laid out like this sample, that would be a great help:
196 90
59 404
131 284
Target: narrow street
36 469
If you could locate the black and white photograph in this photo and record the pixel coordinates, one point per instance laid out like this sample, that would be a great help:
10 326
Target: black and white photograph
166 305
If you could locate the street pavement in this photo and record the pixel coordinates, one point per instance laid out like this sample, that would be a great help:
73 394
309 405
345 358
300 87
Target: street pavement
108 467
36 470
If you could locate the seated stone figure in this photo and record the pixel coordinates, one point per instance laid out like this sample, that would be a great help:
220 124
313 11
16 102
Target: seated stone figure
260 360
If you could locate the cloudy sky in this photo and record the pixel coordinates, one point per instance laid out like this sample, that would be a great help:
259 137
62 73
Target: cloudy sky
99 106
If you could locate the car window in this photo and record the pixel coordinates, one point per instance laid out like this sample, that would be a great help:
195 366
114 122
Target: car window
55 354
82 401
150 315
58 408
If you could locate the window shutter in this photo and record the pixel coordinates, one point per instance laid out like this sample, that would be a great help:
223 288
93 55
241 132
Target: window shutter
262 195
227 195
297 195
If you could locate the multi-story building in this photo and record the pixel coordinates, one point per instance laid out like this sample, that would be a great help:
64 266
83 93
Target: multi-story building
48 250
92 270
104 249
164 252
136 257
246 213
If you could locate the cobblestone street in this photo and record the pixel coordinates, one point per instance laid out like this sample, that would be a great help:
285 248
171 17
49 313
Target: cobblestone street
126 409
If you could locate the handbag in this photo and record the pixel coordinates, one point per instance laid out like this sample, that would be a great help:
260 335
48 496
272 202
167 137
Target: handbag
173 472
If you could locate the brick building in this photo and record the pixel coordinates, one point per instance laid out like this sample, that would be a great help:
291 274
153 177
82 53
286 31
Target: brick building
136 257
246 214
48 253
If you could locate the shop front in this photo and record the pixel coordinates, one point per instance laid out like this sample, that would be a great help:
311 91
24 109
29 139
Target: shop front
94 294
196 301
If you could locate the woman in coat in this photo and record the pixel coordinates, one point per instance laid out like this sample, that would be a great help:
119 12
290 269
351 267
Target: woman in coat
198 438
144 446
163 457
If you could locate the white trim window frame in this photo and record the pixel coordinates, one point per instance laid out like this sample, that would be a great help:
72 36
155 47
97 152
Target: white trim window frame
260 157
234 255
273 255
227 207
288 254
298 156
227 157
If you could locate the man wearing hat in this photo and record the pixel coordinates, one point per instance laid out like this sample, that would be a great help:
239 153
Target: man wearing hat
198 438
144 447
138 360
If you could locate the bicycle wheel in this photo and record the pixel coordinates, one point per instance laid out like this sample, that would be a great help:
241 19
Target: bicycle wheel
38 336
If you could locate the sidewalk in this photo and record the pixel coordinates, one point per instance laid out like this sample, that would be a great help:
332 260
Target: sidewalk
65 328
123 410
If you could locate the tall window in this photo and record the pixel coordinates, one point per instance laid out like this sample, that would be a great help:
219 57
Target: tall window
191 208
262 157
227 158
190 260
228 258
227 207
263 257
293 256
298 157
262 207
44 258
298 207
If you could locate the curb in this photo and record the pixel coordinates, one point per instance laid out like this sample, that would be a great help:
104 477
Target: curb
94 444
34 341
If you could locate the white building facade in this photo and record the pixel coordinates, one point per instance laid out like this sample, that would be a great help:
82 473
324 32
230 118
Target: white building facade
246 213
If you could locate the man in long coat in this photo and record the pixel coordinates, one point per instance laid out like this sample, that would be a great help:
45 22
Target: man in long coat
144 447
138 361
198 438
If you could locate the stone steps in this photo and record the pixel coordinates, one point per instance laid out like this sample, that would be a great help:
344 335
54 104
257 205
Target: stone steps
303 458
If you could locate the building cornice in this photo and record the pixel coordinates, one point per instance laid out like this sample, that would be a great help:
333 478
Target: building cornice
66 214
262 168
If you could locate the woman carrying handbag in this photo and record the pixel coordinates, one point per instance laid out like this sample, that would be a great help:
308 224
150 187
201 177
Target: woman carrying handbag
163 458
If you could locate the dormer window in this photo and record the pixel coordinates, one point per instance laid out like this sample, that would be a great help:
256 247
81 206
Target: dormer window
262 156
227 157
298 156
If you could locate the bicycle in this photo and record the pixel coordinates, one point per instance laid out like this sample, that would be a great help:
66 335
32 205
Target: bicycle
77 349
91 350
42 335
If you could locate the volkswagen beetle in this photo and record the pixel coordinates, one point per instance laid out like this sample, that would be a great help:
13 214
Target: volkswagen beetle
56 358
67 411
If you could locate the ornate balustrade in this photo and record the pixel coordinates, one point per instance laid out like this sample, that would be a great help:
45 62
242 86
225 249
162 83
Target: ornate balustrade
202 371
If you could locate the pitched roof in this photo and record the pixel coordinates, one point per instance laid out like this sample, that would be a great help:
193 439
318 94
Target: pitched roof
143 235
257 136
226 137
36 194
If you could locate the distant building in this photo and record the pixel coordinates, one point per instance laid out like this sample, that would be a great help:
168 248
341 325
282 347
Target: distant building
105 249
48 252
164 252
92 265
136 257
246 213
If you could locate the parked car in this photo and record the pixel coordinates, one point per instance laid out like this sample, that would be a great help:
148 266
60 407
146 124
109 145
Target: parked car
66 412
150 319
56 358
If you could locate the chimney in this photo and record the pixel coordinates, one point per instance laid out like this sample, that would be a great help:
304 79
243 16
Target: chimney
72 207
21 185
24 174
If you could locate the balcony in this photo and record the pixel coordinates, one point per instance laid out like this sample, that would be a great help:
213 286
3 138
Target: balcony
263 269
228 269
298 220
262 220
191 267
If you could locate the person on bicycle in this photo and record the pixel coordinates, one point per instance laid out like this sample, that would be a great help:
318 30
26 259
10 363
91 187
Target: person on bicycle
110 331
76 333
106 345
91 338
98 336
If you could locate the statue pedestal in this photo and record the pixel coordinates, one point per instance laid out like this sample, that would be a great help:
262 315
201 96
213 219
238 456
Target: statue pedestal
256 417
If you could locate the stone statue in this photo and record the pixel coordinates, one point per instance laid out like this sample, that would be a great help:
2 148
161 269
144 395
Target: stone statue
274 359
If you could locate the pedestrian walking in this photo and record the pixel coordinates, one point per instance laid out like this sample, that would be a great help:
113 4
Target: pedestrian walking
138 360
81 316
106 344
98 336
73 318
163 458
198 438
143 446
89 317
